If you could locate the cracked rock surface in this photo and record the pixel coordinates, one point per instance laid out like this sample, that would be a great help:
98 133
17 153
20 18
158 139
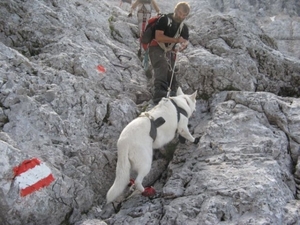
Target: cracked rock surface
59 105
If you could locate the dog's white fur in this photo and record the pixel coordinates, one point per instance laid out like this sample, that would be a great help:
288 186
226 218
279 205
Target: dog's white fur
135 146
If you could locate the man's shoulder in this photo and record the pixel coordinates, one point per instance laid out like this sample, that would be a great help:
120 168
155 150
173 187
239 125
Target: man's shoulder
169 15
163 17
166 18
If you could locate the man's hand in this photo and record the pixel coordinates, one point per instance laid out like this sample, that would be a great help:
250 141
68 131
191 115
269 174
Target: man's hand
130 15
183 45
180 40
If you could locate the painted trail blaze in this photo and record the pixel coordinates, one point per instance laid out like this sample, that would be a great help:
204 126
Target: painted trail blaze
101 69
32 175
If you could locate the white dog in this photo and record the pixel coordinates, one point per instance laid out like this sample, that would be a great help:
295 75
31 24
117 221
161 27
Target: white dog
151 130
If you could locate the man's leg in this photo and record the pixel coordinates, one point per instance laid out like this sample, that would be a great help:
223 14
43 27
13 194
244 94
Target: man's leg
160 67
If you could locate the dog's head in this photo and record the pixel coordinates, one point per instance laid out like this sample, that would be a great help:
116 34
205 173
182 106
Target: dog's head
189 100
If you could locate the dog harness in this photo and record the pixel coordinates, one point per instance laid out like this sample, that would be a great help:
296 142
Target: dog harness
160 121
179 110
155 123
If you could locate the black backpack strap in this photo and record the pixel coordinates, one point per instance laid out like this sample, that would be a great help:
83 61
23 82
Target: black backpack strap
179 110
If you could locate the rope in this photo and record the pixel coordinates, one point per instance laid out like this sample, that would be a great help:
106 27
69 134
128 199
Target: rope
173 70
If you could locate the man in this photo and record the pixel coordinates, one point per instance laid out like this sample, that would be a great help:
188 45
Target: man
162 49
143 14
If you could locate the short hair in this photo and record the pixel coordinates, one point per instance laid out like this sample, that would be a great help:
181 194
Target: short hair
184 6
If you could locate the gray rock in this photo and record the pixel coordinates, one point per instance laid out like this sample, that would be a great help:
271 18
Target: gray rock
57 106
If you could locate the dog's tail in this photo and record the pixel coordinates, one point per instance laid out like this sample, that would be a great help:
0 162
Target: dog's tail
122 176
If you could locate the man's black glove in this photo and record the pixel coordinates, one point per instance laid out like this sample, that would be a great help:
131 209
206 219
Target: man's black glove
130 15
197 140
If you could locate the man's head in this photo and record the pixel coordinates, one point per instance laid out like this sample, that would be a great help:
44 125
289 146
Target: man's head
181 11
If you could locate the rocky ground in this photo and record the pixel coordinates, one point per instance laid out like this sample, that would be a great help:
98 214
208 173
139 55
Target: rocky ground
59 105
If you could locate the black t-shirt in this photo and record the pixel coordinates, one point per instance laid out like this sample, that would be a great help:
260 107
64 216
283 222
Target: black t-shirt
170 28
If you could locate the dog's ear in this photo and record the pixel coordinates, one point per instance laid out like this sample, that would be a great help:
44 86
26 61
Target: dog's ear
193 96
179 91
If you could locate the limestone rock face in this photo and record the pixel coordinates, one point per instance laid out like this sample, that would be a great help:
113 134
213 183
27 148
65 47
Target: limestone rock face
71 80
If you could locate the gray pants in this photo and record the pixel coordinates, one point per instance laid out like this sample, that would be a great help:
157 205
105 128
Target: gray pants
162 64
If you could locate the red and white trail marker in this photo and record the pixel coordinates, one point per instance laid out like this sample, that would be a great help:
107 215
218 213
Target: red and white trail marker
32 175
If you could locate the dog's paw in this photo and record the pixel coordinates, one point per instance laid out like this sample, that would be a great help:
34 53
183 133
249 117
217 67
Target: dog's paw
197 140
149 191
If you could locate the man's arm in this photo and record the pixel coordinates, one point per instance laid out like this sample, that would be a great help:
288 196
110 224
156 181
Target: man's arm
160 37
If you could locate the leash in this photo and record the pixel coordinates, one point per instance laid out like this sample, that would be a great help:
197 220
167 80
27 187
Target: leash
173 70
